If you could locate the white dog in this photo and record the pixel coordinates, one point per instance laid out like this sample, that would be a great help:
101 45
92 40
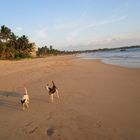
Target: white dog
52 90
25 99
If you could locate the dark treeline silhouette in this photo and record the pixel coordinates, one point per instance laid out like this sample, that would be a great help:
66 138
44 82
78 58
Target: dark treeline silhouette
58 52
12 46
45 51
103 49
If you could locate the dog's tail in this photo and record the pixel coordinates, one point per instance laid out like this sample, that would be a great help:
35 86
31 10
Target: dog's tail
25 89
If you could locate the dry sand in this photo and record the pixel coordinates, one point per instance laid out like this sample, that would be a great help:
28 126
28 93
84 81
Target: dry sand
98 101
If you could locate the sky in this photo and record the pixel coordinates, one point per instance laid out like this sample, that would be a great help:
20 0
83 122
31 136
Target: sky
74 24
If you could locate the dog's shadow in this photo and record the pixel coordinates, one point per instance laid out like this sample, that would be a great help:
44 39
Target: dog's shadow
10 100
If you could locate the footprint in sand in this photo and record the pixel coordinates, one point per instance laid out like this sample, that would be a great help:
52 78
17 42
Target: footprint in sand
28 124
50 116
50 131
99 124
33 130
29 128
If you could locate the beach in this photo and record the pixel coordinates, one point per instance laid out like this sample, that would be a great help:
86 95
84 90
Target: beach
97 101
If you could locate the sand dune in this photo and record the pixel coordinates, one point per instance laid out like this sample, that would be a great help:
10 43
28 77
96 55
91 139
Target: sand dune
97 101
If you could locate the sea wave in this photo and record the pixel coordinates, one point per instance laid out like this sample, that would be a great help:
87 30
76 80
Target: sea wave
127 58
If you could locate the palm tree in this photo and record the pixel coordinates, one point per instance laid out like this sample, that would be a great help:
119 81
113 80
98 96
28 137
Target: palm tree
22 43
51 47
23 47
11 46
1 47
5 34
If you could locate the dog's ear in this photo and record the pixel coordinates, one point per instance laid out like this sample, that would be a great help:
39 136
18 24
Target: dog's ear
53 82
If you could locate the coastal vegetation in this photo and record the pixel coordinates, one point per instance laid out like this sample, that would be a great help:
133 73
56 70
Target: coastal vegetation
103 49
45 51
15 47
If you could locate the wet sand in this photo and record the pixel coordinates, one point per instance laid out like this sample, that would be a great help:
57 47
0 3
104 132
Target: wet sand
97 101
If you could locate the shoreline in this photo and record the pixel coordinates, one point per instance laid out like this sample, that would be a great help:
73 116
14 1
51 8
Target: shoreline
105 61
97 101
113 60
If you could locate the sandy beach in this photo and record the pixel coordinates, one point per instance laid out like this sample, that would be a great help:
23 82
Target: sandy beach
97 101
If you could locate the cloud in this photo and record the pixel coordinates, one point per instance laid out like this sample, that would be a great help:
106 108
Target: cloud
42 33
73 33
105 22
106 43
41 36
77 30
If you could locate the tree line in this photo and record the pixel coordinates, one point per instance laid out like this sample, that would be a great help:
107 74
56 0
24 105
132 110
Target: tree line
45 51
13 46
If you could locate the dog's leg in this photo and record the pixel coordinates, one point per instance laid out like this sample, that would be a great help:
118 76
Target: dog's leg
23 108
27 105
51 97
57 94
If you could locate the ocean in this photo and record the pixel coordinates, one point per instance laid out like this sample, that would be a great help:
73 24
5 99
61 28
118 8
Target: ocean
127 58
